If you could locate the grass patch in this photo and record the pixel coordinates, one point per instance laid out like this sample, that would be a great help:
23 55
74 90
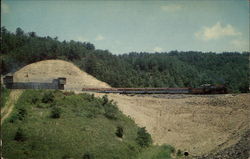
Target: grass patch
157 152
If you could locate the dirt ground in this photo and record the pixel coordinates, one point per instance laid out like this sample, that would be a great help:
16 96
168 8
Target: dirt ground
199 124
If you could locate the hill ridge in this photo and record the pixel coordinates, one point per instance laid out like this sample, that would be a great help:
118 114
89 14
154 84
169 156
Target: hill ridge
47 70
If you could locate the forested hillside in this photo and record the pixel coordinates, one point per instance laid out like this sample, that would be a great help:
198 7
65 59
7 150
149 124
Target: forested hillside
172 69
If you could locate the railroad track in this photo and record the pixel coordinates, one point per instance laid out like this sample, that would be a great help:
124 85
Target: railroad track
207 89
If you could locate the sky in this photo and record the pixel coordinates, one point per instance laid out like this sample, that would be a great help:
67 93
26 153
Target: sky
143 26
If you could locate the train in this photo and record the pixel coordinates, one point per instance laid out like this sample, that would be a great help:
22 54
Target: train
203 89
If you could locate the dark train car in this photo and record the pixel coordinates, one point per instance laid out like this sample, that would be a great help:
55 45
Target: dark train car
222 89
196 91
209 89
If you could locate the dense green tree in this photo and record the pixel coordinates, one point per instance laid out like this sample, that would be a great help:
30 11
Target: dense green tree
19 32
32 34
172 69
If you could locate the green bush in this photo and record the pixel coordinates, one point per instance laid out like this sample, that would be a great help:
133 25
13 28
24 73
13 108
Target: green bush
119 131
143 137
34 99
89 97
19 115
13 118
48 97
20 136
179 153
22 113
172 149
111 111
105 100
110 108
56 112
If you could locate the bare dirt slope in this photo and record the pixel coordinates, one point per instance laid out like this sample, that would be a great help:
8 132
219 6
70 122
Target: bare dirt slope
13 97
198 124
46 71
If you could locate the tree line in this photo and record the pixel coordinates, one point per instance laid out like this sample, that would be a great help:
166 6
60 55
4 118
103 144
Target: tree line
167 69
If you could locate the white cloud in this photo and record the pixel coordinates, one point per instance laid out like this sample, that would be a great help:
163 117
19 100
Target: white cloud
240 44
81 38
157 49
5 8
99 37
171 7
216 31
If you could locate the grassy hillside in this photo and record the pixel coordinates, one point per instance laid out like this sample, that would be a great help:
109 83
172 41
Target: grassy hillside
60 125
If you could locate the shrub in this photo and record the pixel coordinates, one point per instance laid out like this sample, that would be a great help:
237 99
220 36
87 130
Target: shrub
13 118
110 111
22 113
34 99
56 112
48 97
119 132
92 97
105 100
20 136
143 137
179 153
172 149
19 115
89 97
